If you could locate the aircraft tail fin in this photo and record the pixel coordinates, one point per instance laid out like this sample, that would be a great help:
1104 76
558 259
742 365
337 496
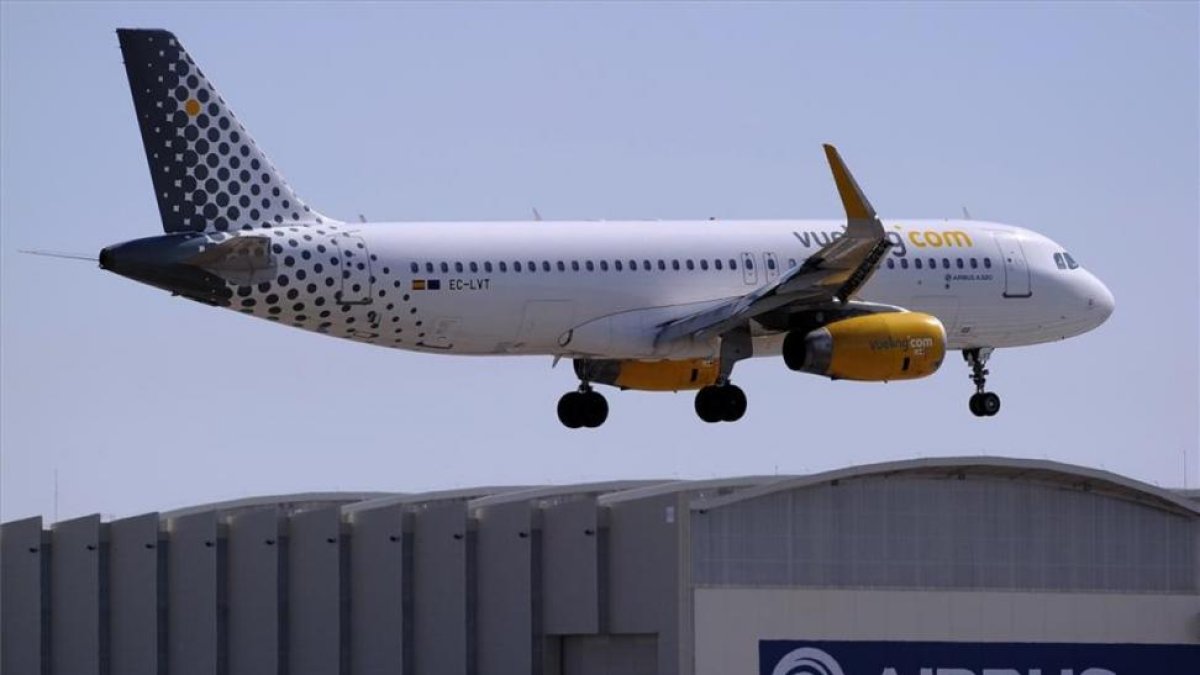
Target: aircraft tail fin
208 173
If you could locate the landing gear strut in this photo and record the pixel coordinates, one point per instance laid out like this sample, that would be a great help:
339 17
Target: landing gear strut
721 403
582 408
983 403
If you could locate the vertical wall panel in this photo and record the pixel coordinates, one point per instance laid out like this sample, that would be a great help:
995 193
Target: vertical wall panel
192 595
133 595
504 587
21 596
570 568
75 596
253 541
440 602
314 597
376 597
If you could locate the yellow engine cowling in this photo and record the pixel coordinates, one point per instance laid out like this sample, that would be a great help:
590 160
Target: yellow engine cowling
877 347
649 375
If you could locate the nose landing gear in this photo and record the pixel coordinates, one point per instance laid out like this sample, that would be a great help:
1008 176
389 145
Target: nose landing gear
582 408
982 403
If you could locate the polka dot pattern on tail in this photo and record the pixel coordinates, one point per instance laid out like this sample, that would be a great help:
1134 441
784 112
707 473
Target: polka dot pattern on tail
208 173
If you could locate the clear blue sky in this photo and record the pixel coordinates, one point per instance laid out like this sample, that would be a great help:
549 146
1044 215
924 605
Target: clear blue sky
1078 120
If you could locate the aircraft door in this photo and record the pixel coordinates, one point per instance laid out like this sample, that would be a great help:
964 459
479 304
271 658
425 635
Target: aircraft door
772 265
749 271
1016 268
355 263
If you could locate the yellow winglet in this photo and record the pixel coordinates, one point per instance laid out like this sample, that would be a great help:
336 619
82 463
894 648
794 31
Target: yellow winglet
853 199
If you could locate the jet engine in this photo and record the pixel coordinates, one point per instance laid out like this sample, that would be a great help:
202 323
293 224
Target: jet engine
649 375
871 348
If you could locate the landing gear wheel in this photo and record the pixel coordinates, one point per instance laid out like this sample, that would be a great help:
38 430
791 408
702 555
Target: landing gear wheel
595 409
733 403
982 403
569 410
708 405
720 403
584 408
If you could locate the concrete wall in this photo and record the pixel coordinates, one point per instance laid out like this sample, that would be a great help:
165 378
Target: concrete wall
730 622
21 556
442 639
571 568
133 583
254 560
376 591
314 592
508 590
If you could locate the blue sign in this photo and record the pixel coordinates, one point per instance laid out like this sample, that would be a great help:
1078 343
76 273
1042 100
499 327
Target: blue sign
804 657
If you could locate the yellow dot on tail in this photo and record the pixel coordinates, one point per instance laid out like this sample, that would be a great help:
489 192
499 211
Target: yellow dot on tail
192 107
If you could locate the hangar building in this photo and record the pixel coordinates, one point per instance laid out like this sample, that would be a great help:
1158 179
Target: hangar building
949 566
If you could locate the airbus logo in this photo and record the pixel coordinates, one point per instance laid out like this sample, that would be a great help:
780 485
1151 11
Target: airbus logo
813 661
873 657
807 661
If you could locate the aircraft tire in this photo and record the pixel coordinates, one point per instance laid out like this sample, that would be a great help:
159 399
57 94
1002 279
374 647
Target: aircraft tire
989 404
593 409
733 403
708 406
569 409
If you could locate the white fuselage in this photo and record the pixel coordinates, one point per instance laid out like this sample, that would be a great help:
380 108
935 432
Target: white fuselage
603 289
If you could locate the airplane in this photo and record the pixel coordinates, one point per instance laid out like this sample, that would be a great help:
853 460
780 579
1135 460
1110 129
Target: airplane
641 305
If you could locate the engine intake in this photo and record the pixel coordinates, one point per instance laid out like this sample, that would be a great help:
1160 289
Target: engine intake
871 348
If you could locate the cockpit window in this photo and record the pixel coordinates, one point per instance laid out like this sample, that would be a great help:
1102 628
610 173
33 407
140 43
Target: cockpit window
1058 260
1070 261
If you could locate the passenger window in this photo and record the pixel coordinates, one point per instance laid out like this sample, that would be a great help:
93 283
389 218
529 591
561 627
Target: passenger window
532 266
717 264
987 263
974 263
487 267
771 262
603 265
945 263
958 263
690 265
445 268
574 265
562 267
617 265
458 267
591 267
632 265
904 263
1071 261
917 263
749 263
933 263
891 263
474 267
516 265
429 267
503 266
646 265
733 264
675 265
545 265
415 268
704 265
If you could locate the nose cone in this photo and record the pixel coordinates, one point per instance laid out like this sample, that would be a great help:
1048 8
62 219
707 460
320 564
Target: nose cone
1100 300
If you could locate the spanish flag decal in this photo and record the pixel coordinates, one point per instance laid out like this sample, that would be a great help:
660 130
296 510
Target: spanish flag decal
427 284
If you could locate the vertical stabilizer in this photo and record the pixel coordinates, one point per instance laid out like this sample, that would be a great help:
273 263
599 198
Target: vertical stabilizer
208 173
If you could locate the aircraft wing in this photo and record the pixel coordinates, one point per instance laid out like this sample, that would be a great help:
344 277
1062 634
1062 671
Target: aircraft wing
832 275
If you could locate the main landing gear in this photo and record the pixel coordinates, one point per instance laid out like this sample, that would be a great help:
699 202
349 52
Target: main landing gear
582 408
982 403
721 403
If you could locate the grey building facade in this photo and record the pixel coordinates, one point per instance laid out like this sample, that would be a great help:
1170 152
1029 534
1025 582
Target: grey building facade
959 561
